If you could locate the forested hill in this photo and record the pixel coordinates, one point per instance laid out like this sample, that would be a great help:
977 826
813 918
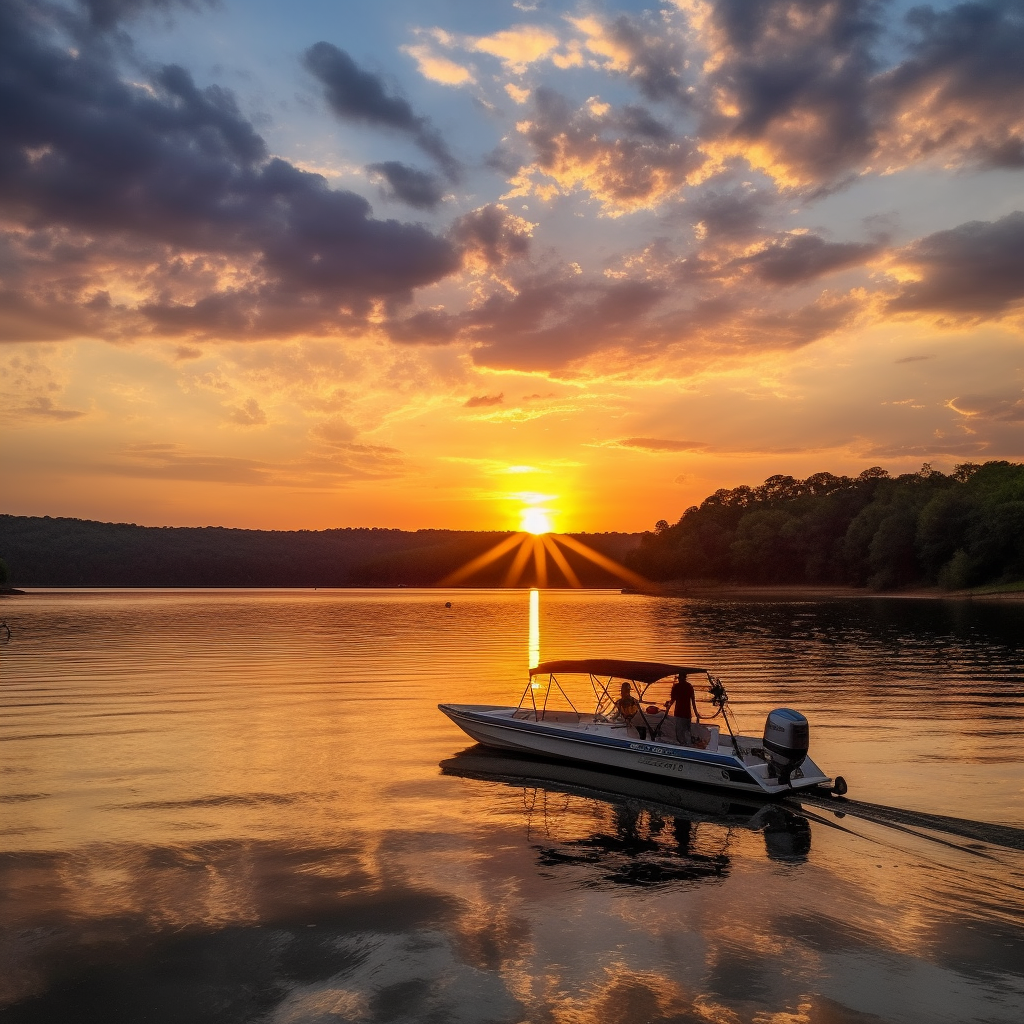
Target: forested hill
961 530
45 552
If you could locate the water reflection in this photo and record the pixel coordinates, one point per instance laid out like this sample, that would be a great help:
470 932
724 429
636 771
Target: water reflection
227 808
534 628
614 829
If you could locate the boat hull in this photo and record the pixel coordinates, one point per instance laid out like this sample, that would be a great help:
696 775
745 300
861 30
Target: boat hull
495 727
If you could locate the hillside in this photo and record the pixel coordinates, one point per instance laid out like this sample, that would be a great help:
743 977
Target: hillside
961 530
46 552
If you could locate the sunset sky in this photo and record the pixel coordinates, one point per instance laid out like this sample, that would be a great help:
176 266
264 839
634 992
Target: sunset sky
429 264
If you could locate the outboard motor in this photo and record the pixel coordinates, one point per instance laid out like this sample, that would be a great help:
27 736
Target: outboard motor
786 739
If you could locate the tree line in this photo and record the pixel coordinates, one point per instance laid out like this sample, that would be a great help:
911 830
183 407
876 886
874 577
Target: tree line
960 530
41 551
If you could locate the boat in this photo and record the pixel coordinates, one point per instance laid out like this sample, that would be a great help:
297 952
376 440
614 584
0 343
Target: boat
547 722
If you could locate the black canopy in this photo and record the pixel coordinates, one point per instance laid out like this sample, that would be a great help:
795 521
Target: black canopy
638 671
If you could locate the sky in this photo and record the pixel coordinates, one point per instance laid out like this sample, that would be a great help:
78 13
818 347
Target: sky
445 264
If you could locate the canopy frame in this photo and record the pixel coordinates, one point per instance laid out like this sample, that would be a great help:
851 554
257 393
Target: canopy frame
602 672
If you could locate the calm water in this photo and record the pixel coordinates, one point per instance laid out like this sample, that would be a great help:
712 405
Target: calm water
246 807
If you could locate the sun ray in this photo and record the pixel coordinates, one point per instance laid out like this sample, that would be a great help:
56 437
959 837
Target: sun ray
515 570
481 560
540 561
562 562
603 561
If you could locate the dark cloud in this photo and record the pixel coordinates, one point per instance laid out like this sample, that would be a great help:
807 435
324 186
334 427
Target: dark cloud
357 95
912 359
482 401
961 87
658 444
491 235
552 318
970 271
625 158
408 185
171 183
792 76
656 58
728 216
800 88
796 259
105 14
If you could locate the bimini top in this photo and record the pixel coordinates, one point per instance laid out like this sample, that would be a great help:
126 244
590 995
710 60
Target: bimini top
638 671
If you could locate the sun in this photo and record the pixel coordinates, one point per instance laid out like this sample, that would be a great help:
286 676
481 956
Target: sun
536 521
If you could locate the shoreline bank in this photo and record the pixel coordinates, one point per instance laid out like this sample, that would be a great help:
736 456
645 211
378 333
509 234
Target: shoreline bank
815 592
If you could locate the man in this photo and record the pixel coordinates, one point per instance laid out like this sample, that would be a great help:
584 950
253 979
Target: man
684 700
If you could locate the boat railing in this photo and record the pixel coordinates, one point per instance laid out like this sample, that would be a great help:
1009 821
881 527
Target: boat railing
539 714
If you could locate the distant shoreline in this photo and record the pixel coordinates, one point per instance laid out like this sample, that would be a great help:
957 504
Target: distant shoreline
703 591
815 592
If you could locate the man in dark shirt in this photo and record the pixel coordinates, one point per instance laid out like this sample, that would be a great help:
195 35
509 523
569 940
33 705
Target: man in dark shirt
683 700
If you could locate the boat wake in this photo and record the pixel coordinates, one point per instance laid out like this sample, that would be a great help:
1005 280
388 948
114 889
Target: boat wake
1009 837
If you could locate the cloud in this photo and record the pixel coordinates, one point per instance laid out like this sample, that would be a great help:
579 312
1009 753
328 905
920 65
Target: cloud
491 236
659 445
972 271
787 86
481 401
437 68
357 95
625 159
408 185
643 47
185 352
809 92
796 259
43 407
999 408
132 209
553 320
517 47
960 91
249 414
332 465
104 14
734 215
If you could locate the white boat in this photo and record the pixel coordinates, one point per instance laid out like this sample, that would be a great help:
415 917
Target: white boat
644 743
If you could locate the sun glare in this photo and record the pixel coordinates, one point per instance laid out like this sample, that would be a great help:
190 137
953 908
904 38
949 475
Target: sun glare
536 521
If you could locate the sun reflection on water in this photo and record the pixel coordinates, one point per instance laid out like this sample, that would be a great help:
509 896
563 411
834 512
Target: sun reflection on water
534 628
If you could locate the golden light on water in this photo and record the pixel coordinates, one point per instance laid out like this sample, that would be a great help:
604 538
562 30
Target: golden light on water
534 628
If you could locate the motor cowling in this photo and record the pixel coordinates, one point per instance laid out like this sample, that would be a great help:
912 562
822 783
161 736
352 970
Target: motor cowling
786 741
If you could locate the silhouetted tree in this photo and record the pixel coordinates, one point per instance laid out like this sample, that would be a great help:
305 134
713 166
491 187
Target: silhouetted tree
874 530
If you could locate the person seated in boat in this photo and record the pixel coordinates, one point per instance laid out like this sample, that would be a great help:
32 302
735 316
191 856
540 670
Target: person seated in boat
683 701
627 704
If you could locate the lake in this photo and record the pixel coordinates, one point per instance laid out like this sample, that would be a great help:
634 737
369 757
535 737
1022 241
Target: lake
226 806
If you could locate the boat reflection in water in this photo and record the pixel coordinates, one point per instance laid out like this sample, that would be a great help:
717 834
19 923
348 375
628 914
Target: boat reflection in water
634 832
